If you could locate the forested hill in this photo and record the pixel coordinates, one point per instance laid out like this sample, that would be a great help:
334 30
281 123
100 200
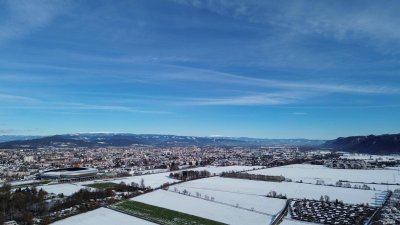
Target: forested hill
377 144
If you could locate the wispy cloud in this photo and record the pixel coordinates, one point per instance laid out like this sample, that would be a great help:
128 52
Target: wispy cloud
162 71
62 106
23 16
371 23
8 97
6 131
204 75
259 99
81 106
298 113
337 106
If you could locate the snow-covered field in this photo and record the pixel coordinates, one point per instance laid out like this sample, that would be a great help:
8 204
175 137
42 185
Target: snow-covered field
368 157
235 201
203 208
66 189
263 204
312 173
295 222
153 180
23 182
102 216
291 189
382 187
238 201
393 168
219 169
157 179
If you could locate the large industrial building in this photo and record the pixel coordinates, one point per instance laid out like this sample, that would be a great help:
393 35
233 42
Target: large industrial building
69 174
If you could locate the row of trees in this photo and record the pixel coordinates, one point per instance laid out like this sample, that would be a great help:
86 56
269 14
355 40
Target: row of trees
86 200
348 185
190 175
253 176
175 166
21 205
133 187
81 197
274 194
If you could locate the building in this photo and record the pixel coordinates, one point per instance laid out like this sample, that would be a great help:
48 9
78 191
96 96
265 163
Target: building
69 174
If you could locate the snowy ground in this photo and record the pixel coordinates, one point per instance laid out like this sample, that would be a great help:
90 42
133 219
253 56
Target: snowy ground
312 173
152 180
291 189
157 179
23 182
203 208
102 216
142 172
263 204
219 169
66 189
368 157
382 187
295 222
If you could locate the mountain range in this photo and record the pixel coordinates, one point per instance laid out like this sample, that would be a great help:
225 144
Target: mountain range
375 144
122 140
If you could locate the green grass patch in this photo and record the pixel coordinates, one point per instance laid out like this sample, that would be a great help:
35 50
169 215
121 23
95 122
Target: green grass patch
105 185
161 215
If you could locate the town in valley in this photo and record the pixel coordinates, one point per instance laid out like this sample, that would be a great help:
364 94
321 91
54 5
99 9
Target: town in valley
242 183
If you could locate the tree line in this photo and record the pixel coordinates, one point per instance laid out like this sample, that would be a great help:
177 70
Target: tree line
248 176
21 205
190 175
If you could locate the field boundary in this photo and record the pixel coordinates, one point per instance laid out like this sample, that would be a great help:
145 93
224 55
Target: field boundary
226 204
168 216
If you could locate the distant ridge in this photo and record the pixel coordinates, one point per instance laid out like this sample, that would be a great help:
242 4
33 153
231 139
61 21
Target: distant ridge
377 144
4 138
123 140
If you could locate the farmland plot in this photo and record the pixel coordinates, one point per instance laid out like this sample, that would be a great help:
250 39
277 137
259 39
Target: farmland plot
203 208
290 189
219 169
263 204
313 173
102 216
155 180
66 189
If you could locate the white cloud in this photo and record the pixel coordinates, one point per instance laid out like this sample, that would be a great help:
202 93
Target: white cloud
13 98
258 99
203 75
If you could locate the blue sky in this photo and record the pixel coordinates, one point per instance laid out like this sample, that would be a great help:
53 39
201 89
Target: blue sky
291 69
